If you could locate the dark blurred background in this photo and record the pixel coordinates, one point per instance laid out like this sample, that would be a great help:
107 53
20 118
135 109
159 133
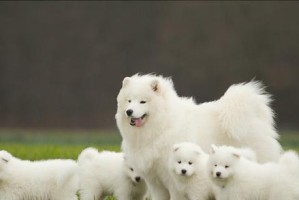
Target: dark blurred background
62 62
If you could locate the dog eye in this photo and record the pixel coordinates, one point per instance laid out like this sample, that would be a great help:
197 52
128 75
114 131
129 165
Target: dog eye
142 102
226 166
132 169
215 165
129 101
179 162
190 163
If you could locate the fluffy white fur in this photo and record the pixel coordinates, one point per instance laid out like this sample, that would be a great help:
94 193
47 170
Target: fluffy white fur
236 177
151 118
107 173
188 163
37 180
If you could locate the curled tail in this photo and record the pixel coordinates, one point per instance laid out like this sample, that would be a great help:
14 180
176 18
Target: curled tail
245 108
87 154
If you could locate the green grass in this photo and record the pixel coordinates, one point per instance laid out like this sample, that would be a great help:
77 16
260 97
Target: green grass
51 151
47 144
50 144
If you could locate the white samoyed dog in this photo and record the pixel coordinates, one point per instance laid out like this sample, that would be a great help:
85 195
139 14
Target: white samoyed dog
239 178
37 180
188 163
107 173
151 118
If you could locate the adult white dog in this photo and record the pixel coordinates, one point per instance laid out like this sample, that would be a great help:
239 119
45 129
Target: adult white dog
151 118
39 180
107 173
188 167
237 177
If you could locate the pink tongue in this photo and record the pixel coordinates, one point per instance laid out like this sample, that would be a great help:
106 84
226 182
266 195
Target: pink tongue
138 122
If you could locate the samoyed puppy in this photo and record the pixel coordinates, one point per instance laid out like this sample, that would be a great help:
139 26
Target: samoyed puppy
188 163
38 180
152 117
239 178
107 173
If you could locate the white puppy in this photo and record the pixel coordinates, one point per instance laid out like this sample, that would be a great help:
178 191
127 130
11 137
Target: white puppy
152 117
37 180
188 163
239 178
106 173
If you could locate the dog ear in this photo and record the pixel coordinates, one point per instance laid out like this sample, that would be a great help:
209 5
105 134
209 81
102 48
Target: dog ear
176 147
155 86
236 155
197 152
213 149
126 81
5 156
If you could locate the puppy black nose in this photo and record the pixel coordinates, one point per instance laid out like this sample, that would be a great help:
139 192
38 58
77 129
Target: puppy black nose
129 112
184 171
218 174
137 179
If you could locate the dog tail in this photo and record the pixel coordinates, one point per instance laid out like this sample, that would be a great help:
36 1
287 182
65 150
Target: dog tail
290 160
244 109
87 154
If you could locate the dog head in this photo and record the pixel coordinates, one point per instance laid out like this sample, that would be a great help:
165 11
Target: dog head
131 171
222 162
140 98
185 158
134 176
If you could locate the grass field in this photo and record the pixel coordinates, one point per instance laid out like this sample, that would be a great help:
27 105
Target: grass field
48 144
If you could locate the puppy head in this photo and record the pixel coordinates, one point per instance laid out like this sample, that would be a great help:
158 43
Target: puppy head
185 158
5 157
131 172
134 176
222 162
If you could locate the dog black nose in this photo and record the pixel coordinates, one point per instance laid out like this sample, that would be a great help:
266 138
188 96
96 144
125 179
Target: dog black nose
184 171
137 179
218 174
129 112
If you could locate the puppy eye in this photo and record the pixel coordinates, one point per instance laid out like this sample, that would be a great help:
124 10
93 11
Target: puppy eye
129 101
190 163
226 166
132 169
215 165
179 162
142 102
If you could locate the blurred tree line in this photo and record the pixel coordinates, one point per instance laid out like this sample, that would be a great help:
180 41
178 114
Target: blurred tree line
62 62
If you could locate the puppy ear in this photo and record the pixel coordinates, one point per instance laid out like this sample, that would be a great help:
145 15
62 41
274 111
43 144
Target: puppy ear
5 156
197 152
126 81
213 149
155 86
176 147
236 155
